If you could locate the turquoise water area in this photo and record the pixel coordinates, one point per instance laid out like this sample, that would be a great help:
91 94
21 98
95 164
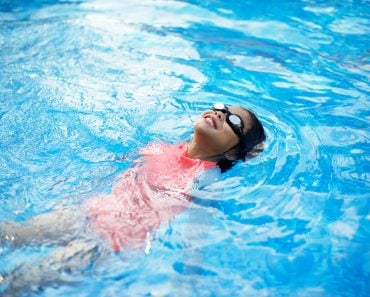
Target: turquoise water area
85 84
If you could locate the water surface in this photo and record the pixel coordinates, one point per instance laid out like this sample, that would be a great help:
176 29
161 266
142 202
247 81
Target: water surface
85 84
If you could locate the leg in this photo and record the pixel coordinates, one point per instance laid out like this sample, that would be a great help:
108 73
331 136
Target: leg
56 227
58 268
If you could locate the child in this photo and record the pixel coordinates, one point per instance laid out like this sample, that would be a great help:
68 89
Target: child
150 193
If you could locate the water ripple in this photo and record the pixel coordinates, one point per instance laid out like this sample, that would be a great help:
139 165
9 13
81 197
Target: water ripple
85 84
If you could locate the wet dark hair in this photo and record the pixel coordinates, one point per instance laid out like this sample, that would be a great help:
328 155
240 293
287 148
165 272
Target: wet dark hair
249 146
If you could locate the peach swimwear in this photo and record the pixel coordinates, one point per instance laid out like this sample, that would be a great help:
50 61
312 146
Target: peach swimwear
150 193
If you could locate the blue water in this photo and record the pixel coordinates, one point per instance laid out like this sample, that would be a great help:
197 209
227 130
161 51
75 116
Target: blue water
85 84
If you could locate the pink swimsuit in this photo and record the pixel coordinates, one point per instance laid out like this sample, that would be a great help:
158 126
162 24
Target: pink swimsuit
152 192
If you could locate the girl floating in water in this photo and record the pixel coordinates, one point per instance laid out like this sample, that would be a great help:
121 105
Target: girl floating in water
149 194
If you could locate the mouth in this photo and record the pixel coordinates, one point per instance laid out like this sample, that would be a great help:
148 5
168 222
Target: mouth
210 121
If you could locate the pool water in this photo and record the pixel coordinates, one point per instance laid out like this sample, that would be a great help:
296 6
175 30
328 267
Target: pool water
85 84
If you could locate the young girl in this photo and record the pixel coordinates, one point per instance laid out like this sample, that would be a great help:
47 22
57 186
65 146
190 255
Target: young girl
152 192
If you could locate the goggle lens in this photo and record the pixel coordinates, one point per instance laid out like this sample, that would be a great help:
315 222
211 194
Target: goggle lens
219 106
234 120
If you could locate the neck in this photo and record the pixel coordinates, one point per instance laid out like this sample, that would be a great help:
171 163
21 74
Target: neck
198 151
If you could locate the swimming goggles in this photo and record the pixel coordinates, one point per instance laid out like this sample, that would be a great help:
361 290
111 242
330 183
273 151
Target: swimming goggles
235 121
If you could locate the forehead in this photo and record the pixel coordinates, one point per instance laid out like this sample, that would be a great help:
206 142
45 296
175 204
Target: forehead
243 114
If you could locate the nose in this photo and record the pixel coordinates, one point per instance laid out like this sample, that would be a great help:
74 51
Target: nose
219 114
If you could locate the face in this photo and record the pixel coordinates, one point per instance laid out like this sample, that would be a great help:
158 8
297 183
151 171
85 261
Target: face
212 129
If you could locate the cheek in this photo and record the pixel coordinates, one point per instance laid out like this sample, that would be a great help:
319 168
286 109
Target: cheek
219 140
228 139
230 135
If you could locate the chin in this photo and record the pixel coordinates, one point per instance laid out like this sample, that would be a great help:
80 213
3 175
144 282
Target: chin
203 130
